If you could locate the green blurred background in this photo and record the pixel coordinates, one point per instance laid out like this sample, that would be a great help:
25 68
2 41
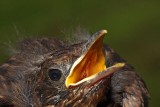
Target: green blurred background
133 26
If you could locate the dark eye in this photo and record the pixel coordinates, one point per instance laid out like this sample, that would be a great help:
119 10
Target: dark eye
55 74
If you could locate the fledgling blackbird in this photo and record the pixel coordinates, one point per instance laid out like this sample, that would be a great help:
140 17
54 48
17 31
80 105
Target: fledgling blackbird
48 72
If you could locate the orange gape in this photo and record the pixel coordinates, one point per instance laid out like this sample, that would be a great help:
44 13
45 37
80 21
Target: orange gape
91 63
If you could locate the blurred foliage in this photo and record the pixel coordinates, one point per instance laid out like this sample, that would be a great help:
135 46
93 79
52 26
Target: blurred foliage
133 28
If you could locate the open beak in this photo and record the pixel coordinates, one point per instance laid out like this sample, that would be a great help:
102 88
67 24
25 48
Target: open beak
91 67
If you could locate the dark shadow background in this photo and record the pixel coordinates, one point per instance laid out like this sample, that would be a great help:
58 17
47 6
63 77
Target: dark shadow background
133 26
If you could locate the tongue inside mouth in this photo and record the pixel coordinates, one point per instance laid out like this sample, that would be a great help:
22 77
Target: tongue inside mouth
91 67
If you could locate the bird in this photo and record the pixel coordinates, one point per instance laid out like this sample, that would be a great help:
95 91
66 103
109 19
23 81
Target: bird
49 72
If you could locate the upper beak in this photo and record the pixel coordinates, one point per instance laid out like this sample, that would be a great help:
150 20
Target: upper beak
90 67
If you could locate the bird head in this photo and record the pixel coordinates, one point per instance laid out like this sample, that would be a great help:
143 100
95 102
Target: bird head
49 72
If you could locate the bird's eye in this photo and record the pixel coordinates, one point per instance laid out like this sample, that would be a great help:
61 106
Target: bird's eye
54 74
